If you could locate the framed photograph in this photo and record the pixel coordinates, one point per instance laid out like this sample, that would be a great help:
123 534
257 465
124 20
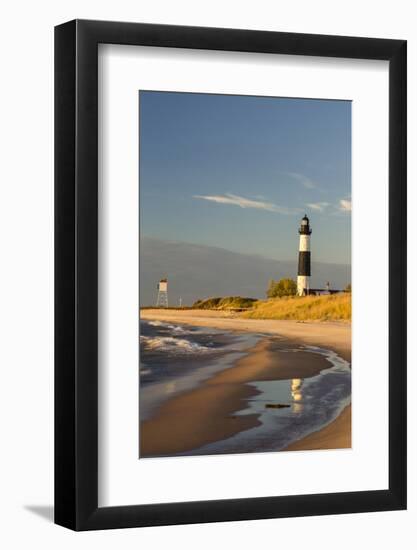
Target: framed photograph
230 247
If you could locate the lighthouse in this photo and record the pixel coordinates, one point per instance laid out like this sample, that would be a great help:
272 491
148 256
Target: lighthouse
304 258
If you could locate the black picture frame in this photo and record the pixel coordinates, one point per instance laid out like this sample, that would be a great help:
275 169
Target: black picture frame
76 272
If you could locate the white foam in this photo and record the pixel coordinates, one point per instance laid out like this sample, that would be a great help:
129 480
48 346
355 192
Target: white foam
172 345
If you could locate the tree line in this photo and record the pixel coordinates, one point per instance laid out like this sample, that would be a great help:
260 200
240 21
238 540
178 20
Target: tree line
288 287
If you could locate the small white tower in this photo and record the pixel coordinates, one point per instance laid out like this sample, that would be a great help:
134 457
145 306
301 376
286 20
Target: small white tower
162 300
304 258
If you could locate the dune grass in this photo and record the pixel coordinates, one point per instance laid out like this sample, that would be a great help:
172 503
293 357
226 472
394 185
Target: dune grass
225 303
309 308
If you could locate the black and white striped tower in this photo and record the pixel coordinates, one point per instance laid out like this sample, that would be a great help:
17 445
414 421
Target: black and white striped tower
304 258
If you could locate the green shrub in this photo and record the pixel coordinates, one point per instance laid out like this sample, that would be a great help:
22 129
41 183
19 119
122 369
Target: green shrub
283 287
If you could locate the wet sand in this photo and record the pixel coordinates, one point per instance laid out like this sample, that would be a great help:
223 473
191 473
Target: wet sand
205 414
337 435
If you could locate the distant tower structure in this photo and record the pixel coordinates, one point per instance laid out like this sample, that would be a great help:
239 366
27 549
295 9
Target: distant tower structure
162 300
304 258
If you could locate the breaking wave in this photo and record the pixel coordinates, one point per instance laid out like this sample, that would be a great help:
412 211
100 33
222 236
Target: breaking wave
175 329
177 346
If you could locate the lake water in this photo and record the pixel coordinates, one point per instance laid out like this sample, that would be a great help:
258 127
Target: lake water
175 358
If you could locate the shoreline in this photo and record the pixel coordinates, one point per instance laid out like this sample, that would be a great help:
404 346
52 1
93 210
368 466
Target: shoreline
336 435
205 414
335 335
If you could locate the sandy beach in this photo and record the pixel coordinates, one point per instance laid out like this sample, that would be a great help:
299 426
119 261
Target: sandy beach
205 414
336 435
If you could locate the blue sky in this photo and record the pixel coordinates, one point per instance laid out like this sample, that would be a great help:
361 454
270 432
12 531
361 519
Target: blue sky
239 172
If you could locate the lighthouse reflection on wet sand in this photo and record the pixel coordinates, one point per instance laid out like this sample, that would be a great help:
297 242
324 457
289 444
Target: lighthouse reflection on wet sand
304 258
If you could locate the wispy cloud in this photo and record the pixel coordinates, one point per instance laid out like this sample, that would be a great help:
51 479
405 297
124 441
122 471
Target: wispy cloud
243 202
345 205
318 206
305 181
